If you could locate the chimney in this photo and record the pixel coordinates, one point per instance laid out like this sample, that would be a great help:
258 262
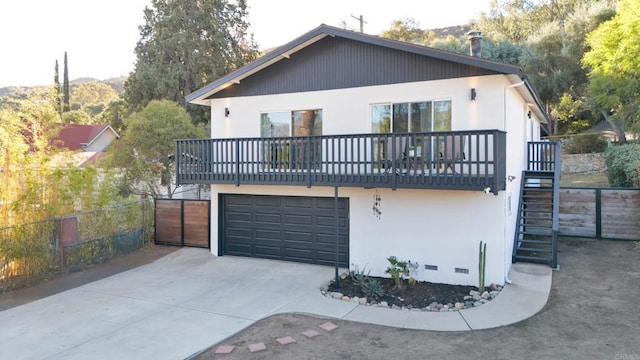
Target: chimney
474 43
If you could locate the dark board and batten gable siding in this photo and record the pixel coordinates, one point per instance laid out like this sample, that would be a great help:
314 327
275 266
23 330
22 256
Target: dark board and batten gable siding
339 63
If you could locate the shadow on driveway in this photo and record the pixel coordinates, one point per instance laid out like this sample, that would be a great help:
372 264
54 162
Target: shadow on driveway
593 313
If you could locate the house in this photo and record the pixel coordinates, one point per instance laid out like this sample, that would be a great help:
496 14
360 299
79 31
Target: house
88 142
345 147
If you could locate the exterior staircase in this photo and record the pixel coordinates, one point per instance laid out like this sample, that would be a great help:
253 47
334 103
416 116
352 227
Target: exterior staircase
536 234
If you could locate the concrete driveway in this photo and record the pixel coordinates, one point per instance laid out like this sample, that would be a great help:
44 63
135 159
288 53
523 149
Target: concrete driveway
168 309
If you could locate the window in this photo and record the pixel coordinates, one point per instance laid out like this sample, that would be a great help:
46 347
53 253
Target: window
284 153
412 117
291 123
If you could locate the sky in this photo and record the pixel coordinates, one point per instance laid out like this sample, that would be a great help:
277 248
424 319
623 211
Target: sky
100 36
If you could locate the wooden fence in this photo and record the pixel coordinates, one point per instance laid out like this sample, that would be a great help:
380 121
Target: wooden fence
601 213
182 222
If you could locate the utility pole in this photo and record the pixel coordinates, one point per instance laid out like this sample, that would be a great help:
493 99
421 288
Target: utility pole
362 22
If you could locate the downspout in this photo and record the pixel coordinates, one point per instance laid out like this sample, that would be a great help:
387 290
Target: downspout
504 128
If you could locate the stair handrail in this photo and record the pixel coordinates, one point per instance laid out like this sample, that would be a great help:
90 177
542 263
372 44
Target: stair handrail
556 202
518 219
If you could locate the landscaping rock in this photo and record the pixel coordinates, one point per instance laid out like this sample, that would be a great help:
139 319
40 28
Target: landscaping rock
473 293
485 295
346 298
494 294
476 298
394 306
459 306
337 295
384 304
362 301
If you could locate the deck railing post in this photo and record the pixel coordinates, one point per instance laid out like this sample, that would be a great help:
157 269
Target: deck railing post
237 141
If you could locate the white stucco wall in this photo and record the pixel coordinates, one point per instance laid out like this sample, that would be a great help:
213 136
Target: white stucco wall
441 228
433 227
347 111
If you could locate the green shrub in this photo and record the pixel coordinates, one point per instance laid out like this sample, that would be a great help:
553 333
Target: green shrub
398 269
623 165
360 277
585 144
373 289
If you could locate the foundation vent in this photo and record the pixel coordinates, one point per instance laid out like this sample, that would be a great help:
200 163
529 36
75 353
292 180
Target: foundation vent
462 271
431 267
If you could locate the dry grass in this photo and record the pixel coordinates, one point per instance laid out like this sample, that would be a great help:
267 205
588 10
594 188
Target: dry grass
591 179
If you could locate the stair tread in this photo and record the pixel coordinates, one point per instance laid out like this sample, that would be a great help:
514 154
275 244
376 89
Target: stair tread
535 226
538 233
534 250
543 173
533 259
530 241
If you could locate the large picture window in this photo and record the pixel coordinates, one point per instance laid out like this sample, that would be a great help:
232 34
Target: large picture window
411 117
282 152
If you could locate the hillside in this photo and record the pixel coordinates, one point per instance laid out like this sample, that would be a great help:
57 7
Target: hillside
455 31
22 92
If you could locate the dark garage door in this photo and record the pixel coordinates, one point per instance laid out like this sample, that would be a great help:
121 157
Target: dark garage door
292 228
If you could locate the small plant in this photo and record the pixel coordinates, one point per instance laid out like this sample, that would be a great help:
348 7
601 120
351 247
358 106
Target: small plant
398 270
373 289
482 257
360 277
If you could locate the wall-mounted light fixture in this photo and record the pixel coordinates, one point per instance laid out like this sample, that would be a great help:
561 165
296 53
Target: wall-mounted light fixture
226 112
511 178
473 94
529 114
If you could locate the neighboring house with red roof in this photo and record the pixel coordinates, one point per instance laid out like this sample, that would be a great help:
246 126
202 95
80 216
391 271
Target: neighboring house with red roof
89 142
88 138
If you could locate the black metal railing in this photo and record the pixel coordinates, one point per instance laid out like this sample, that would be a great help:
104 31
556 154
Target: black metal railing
542 156
463 160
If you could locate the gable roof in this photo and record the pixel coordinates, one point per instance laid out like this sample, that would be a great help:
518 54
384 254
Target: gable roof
78 137
451 65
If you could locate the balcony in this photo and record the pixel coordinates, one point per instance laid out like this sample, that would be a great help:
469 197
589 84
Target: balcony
458 160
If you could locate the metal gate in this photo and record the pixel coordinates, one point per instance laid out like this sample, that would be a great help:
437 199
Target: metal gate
183 222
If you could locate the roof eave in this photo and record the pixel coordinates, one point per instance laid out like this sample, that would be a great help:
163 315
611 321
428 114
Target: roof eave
200 96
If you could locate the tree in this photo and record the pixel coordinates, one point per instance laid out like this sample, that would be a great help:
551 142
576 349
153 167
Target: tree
24 156
65 86
553 60
114 114
614 68
147 145
184 45
76 117
407 30
56 90
92 97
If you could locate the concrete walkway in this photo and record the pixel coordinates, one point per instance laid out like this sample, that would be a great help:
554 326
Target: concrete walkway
190 300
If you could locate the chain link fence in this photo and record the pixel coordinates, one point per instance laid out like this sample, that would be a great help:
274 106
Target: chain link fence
30 252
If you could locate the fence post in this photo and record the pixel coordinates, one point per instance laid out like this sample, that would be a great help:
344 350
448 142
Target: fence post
599 213
59 248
